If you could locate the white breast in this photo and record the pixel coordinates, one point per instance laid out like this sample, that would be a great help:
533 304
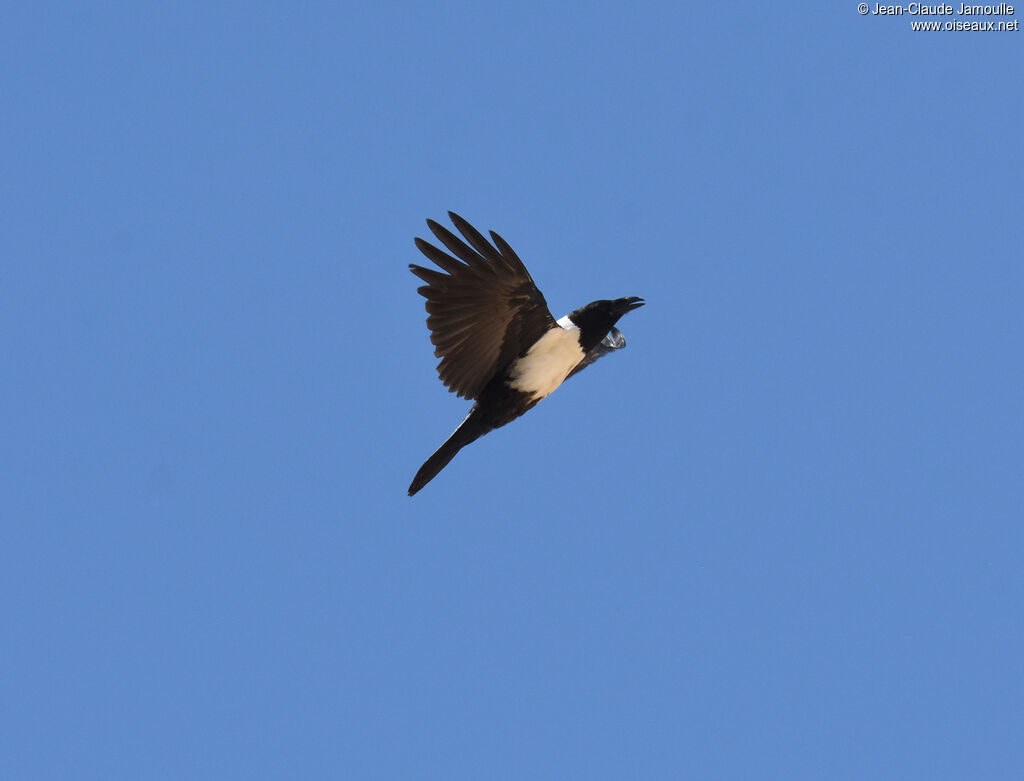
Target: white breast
548 362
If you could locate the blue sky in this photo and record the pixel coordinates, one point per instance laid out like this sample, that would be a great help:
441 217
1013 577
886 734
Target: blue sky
778 536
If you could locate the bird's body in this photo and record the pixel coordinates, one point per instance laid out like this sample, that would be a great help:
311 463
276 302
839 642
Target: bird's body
547 364
496 338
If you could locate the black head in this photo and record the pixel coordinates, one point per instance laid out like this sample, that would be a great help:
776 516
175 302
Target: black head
596 319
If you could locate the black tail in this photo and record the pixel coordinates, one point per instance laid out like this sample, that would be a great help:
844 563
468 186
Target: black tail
470 430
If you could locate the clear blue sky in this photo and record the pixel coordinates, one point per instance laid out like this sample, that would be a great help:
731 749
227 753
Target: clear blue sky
778 537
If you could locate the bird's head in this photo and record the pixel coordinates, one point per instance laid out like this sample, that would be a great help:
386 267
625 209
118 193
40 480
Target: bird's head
597 318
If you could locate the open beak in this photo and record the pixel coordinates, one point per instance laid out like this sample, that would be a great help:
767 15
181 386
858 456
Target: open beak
629 304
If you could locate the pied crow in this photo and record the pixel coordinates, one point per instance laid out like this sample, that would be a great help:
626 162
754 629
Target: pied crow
496 339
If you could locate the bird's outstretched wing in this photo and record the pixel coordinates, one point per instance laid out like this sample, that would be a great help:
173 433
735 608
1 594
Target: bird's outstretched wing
483 311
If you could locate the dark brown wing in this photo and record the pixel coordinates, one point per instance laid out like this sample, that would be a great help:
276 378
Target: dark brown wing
484 310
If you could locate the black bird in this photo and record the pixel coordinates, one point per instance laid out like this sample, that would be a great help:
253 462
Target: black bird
495 336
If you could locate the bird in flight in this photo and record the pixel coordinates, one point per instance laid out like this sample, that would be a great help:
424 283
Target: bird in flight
498 342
